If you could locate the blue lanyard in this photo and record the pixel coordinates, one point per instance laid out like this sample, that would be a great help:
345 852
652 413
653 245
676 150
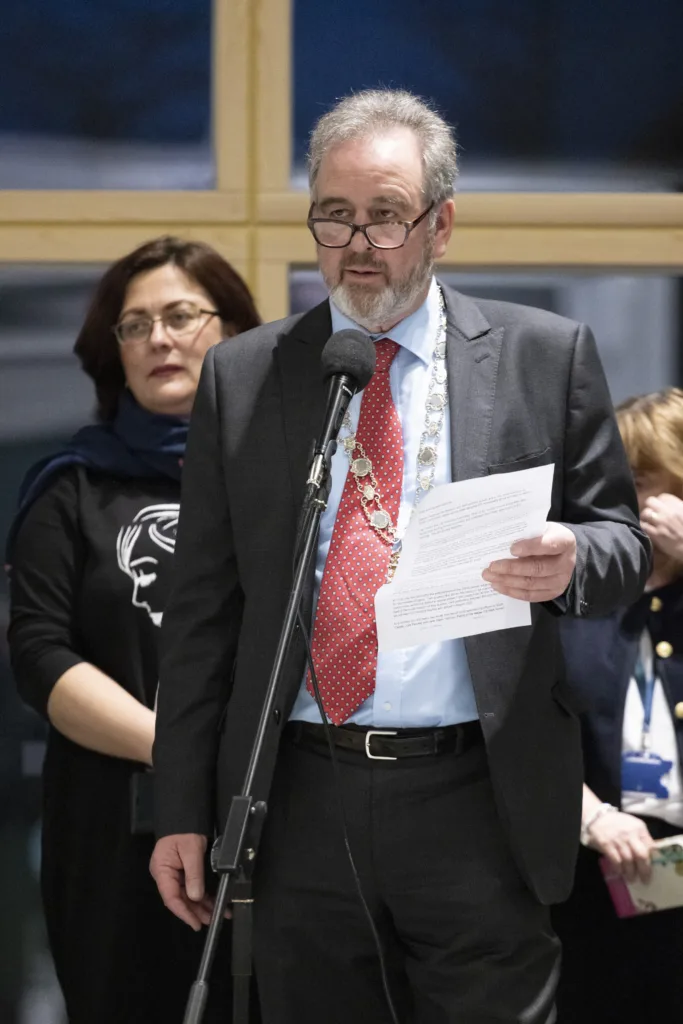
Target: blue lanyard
646 687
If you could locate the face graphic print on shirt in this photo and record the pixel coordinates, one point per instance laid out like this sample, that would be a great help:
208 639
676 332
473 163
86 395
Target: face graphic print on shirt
144 550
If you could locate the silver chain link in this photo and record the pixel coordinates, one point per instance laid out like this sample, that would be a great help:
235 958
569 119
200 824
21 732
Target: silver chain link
360 464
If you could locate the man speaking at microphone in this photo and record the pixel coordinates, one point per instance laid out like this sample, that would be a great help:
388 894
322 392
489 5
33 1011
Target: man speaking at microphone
459 762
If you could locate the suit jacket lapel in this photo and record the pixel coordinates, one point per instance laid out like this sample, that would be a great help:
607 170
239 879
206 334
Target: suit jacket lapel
303 396
472 355
303 405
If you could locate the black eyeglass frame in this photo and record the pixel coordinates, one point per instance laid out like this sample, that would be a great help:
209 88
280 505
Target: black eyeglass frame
409 226
116 328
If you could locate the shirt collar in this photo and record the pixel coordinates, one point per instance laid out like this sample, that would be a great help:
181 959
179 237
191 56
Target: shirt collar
416 333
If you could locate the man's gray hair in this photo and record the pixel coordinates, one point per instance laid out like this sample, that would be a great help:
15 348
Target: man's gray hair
375 111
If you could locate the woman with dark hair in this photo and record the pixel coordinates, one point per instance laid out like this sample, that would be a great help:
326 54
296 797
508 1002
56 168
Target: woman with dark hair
627 671
90 554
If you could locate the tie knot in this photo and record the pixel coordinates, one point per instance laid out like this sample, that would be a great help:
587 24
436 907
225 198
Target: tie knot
385 350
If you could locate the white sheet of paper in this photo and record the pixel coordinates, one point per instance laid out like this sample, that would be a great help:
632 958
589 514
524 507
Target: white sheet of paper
437 592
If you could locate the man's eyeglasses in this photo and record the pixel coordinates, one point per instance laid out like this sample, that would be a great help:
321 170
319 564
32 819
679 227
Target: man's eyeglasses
180 323
337 234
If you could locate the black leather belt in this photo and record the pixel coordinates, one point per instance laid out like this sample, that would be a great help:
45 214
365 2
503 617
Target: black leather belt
388 744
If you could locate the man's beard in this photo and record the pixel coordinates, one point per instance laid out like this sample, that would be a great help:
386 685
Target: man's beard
374 309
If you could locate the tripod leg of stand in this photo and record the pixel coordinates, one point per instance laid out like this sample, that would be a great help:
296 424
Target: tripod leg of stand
242 940
199 993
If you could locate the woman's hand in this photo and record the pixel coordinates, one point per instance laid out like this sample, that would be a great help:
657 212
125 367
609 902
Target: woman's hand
626 842
662 519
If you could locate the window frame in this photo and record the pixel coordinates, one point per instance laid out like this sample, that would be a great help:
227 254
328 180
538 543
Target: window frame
258 221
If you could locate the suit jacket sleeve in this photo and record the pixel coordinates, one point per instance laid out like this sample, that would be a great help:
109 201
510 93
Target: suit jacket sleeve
200 630
600 506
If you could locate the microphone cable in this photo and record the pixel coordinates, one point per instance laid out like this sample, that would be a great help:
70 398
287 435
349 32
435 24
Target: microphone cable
342 816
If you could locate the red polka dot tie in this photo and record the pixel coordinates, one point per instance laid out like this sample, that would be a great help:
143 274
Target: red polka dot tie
345 632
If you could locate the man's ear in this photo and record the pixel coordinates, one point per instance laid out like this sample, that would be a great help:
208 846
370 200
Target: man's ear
445 219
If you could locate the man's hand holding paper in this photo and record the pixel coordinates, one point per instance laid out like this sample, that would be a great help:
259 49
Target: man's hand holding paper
541 569
457 543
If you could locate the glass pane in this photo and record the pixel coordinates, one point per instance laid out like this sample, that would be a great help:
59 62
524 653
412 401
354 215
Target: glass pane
545 94
95 94
42 389
637 321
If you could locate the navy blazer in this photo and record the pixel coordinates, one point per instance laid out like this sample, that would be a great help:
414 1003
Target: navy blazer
600 657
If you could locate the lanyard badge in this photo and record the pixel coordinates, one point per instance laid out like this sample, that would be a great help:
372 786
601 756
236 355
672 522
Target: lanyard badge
642 770
646 688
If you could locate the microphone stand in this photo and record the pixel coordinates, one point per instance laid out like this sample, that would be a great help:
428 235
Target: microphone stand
234 853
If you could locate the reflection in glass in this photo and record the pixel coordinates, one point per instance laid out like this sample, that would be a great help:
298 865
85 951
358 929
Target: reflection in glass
637 321
544 94
95 94
42 389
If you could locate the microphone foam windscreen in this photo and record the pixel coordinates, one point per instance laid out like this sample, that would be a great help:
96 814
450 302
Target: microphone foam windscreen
350 352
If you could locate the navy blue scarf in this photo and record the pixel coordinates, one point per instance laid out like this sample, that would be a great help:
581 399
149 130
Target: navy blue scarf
136 444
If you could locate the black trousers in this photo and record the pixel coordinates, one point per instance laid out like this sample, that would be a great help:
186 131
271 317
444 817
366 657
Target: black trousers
464 938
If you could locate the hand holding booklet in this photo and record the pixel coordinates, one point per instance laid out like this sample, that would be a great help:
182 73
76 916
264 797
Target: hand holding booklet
662 892
437 592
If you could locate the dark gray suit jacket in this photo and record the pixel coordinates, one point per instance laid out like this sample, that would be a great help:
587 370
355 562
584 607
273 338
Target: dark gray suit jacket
526 388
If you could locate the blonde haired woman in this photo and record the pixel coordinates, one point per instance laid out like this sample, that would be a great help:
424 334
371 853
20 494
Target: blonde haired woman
629 670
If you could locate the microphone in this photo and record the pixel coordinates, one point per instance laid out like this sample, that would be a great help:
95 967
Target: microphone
348 362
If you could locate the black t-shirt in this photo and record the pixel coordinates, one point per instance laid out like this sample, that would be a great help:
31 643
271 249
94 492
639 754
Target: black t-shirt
89 582
90 577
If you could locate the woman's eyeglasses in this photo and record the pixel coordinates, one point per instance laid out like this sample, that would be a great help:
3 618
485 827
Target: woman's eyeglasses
180 323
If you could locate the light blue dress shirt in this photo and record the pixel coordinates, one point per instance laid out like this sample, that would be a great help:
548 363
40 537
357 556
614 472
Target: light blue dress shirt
428 685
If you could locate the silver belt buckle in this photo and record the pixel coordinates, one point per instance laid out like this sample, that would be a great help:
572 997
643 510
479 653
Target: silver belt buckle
378 732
